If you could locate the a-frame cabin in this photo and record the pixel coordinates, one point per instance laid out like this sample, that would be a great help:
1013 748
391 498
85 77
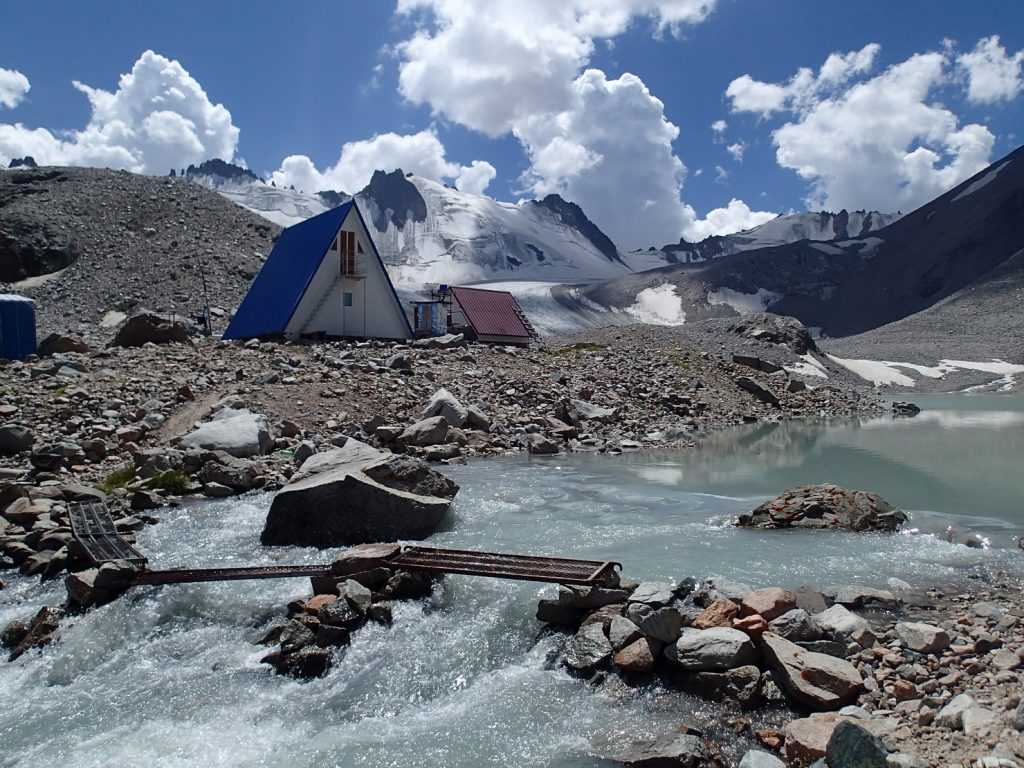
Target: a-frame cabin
323 279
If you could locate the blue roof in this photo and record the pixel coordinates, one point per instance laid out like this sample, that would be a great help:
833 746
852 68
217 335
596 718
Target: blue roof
278 288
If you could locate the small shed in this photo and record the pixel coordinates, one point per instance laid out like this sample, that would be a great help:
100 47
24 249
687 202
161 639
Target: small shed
323 279
17 326
491 316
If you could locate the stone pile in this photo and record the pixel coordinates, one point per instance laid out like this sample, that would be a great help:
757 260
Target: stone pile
361 588
910 686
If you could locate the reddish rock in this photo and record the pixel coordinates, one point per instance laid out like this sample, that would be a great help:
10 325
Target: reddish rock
315 603
769 603
719 614
753 625
636 657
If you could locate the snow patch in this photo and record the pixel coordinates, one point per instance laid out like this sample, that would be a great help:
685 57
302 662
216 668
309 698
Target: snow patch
744 303
810 366
660 305
831 250
875 371
112 319
983 181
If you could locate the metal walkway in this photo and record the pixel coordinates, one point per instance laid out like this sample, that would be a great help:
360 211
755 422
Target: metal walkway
94 530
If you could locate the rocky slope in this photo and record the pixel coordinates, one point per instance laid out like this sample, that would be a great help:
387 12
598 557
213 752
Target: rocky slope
83 242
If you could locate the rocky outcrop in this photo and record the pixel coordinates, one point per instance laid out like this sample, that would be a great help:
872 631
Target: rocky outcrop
826 507
357 494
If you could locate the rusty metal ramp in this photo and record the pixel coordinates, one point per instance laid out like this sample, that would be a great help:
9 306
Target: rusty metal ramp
93 528
192 575
502 565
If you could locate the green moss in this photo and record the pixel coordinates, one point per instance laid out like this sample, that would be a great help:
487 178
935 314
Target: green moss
119 478
173 480
583 346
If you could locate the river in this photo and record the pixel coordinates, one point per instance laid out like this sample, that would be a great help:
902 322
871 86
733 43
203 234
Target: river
169 677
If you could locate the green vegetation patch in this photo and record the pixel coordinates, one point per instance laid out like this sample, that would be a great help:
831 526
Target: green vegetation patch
172 481
119 478
582 346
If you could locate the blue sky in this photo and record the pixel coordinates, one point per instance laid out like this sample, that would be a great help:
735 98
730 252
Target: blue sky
678 117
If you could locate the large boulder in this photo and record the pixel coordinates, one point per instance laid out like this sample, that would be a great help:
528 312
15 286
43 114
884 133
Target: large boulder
15 438
446 405
815 679
148 327
60 343
719 648
684 750
923 638
825 506
356 494
238 432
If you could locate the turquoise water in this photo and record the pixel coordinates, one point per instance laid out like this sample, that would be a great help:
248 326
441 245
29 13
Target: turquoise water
168 676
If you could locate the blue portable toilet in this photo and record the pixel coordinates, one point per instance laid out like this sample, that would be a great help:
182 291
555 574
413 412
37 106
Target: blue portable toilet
17 327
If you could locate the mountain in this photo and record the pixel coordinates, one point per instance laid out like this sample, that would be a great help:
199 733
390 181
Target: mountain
957 252
429 233
788 228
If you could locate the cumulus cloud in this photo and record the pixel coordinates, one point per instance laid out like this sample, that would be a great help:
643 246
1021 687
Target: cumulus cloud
735 217
13 87
420 153
869 142
719 126
520 67
736 150
158 118
992 75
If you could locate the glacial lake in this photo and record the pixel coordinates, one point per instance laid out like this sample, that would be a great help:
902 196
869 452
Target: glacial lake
169 677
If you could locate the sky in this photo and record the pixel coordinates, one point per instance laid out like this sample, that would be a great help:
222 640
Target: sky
661 119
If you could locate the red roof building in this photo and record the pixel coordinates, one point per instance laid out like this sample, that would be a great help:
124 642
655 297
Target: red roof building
492 316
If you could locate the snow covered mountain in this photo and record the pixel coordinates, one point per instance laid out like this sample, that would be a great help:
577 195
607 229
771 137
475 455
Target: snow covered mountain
428 233
788 228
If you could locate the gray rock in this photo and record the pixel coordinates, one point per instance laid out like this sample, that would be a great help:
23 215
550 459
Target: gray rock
444 403
399 362
1018 717
238 432
717 588
663 624
58 344
673 749
795 625
755 758
903 760
14 439
448 341
654 593
814 679
622 632
238 475
923 638
148 327
713 649
843 623
356 494
303 451
757 363
540 445
825 507
432 431
592 412
853 746
757 389
52 457
857 596
588 649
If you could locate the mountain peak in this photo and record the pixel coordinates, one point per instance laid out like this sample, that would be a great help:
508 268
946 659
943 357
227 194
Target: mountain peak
219 169
572 215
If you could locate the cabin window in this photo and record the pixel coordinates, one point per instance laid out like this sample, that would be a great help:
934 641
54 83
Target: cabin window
346 299
348 252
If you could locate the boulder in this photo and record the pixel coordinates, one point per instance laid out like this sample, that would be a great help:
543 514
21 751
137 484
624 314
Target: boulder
444 403
714 649
757 389
623 632
742 685
239 475
432 431
757 363
719 614
639 656
653 593
448 341
684 750
755 758
356 494
539 445
825 506
59 344
853 746
238 432
14 438
814 679
839 622
923 638
768 603
795 625
963 713
592 412
149 327
588 649
717 588
663 624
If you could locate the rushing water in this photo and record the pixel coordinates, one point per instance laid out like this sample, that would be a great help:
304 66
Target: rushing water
168 676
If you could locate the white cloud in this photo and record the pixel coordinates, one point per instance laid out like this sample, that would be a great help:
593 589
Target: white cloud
520 67
992 75
475 177
878 143
736 150
721 174
750 95
159 118
719 126
13 87
420 153
735 217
